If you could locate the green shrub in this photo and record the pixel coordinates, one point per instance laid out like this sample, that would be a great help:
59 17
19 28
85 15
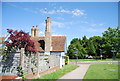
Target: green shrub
66 60
118 55
96 57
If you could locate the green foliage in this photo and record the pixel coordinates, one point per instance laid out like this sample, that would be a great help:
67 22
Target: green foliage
66 60
74 40
91 48
118 55
112 40
96 45
70 51
20 71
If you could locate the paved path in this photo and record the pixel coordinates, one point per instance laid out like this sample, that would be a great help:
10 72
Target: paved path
77 73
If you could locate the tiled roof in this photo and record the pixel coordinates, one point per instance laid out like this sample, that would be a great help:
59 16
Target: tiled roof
58 43
1 39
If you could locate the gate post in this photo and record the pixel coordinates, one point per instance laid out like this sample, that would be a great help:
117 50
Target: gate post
38 64
22 58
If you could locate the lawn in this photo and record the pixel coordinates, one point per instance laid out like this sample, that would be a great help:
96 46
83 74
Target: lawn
58 73
102 71
95 60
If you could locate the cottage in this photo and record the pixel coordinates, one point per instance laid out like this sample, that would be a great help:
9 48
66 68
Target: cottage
48 44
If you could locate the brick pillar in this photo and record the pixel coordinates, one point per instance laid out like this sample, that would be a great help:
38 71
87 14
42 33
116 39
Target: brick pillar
22 58
38 64
29 68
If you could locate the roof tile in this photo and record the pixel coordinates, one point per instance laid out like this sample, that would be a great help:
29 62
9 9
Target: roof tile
58 43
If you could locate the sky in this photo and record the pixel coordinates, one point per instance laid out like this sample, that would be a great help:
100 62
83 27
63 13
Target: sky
60 0
70 19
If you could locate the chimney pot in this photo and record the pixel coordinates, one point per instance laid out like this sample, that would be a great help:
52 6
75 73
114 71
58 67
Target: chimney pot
48 17
36 26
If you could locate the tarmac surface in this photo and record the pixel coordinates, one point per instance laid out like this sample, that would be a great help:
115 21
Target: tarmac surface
95 62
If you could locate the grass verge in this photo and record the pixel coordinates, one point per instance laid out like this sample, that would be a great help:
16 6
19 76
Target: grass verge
58 73
102 71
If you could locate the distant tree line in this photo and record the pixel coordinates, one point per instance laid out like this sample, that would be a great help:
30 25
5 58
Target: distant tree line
96 46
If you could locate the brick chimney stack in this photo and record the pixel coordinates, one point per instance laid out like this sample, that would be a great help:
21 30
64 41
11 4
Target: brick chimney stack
48 21
32 31
36 31
48 41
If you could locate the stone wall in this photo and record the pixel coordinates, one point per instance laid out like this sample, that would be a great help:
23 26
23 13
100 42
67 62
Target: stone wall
30 64
61 56
9 67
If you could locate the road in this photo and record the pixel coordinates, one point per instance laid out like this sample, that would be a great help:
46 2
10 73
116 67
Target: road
95 62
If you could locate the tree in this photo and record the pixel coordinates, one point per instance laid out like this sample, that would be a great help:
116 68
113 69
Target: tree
84 41
76 44
97 45
111 36
91 48
81 50
74 41
18 40
70 51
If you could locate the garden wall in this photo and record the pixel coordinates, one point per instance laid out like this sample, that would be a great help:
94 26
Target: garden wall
30 63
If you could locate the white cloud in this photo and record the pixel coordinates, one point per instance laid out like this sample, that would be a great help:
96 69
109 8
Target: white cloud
85 22
95 30
56 34
46 11
54 24
41 33
75 12
59 18
29 10
57 24
93 24
25 9
42 24
101 24
91 30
